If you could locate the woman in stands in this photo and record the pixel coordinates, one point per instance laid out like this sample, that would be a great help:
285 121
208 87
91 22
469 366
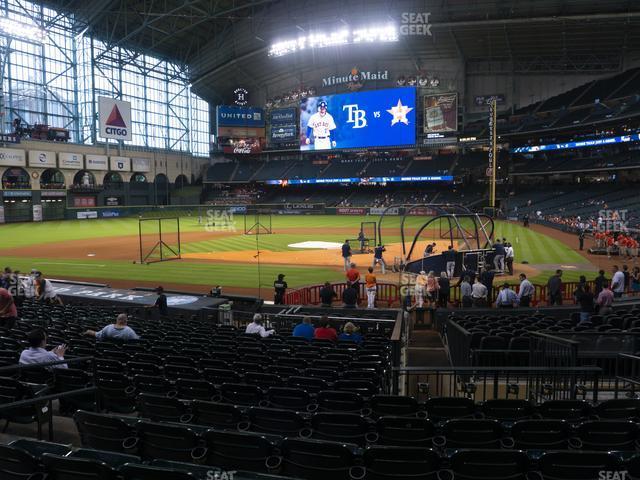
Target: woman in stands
420 288
349 332
432 288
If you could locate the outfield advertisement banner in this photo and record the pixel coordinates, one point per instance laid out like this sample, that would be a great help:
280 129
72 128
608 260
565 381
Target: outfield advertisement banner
42 159
37 213
441 113
87 214
97 162
351 211
11 157
421 212
70 160
120 164
385 210
141 165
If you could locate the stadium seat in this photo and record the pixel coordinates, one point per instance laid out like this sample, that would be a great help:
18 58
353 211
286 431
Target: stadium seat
288 398
399 463
315 460
240 394
263 380
218 376
336 401
394 405
340 427
12 390
238 450
154 472
153 385
507 409
570 410
170 442
490 465
408 431
115 392
442 408
190 389
16 464
162 409
606 435
470 433
541 434
104 432
67 468
216 415
67 379
275 421
619 409
572 465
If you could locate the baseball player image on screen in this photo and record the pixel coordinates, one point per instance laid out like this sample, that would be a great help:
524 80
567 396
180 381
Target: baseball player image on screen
320 124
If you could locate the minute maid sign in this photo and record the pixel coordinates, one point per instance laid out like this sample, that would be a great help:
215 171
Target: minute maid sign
114 118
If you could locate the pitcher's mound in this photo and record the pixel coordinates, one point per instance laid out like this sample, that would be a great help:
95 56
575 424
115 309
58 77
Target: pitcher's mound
316 245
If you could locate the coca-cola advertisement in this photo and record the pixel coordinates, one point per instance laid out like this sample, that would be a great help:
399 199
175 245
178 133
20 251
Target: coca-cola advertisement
245 146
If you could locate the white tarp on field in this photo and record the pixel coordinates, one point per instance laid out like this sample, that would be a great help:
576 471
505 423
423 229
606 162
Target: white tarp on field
317 245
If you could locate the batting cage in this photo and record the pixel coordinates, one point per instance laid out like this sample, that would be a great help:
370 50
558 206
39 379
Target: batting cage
369 236
257 221
159 239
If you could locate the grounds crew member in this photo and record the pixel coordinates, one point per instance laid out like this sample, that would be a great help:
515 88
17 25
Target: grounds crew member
280 288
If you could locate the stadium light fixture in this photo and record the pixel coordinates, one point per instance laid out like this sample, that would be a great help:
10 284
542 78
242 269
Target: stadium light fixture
345 36
24 31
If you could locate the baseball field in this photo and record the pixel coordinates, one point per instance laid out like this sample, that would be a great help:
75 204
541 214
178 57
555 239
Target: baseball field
104 250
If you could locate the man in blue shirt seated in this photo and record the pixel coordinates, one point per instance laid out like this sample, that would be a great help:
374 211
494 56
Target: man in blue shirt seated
304 329
117 331
349 333
36 352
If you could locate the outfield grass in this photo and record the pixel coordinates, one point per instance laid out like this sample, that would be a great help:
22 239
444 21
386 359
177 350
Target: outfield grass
533 247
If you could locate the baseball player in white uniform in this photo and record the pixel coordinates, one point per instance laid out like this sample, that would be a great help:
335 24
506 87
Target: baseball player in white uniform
320 124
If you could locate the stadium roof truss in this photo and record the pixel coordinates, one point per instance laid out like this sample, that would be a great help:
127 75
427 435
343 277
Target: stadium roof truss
221 41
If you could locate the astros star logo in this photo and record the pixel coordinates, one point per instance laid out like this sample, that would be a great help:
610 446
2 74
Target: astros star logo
399 113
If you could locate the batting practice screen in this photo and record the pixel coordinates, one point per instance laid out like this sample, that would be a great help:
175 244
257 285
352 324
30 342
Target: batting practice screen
159 239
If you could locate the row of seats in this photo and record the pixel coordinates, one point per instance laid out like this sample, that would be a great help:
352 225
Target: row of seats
538 433
319 459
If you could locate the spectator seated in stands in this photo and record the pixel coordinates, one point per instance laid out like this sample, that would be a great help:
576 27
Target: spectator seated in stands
36 352
8 310
350 296
45 291
304 329
117 331
256 327
327 294
349 333
326 331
